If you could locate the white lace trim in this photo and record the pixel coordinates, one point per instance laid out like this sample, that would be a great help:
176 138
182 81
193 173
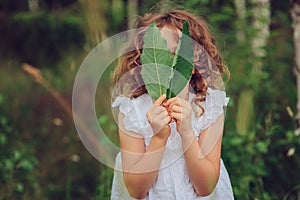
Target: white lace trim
135 110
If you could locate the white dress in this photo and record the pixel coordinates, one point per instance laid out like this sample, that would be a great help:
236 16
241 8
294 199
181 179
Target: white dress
172 181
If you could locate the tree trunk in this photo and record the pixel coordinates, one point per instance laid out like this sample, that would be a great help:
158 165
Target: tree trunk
97 25
261 23
295 13
244 114
33 5
132 13
240 7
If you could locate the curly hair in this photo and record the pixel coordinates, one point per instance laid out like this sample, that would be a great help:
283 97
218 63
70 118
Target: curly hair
204 46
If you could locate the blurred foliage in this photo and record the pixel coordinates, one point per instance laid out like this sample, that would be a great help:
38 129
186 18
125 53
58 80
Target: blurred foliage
41 154
18 164
38 38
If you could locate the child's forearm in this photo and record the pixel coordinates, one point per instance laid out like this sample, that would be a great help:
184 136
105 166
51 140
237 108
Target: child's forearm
202 172
141 176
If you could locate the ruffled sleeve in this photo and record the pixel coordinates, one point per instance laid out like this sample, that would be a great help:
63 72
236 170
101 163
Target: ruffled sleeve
134 111
214 105
215 102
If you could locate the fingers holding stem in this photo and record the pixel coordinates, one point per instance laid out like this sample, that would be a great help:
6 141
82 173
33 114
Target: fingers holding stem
165 111
174 108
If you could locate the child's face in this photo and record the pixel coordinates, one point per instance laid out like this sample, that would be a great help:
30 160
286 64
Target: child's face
172 36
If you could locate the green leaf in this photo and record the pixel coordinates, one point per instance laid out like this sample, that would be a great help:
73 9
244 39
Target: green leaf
157 62
183 63
161 73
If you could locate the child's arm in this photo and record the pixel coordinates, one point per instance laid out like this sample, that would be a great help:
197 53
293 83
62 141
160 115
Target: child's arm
203 157
140 166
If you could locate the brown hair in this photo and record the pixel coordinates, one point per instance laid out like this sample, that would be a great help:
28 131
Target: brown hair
204 44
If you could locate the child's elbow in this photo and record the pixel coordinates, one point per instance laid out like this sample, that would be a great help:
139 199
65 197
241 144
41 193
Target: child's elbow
137 194
136 190
205 190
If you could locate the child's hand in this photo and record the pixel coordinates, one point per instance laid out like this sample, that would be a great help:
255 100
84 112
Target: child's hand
181 111
159 118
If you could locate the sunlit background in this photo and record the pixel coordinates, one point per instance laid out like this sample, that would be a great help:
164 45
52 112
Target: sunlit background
42 156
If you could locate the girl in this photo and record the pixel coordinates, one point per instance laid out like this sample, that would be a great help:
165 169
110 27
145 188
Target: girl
170 149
